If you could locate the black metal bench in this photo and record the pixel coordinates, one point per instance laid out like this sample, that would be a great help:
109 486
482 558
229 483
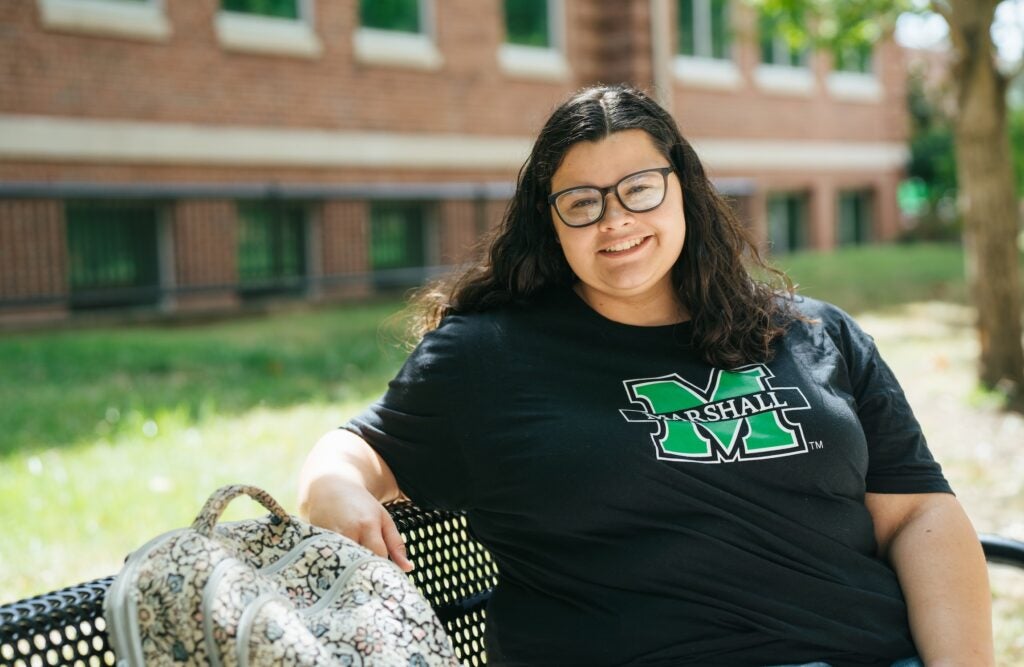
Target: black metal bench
453 571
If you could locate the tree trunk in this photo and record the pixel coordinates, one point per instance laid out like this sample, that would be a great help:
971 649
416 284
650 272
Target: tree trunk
988 198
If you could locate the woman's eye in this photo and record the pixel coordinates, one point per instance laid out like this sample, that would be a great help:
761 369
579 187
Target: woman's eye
582 203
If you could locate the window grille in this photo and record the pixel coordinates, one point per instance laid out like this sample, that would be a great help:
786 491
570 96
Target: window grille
398 243
271 248
112 254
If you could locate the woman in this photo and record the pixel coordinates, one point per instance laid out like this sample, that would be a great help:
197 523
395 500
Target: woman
671 462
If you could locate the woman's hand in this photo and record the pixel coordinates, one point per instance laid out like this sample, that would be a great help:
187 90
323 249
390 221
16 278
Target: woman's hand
342 487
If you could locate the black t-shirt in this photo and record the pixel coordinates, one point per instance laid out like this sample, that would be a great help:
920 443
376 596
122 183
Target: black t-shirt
644 507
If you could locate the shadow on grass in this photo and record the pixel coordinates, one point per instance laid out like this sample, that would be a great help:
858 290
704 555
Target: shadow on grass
59 389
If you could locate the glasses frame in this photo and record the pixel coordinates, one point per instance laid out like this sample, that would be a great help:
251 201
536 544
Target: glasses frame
664 171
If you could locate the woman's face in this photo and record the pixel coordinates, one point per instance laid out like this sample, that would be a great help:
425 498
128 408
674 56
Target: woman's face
624 261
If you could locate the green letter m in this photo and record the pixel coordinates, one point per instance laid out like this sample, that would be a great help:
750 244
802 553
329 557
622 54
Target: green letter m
737 415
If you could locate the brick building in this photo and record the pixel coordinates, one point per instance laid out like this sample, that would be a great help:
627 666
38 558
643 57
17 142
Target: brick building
199 154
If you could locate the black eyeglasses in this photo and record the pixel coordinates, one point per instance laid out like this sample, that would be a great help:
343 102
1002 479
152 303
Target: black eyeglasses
584 205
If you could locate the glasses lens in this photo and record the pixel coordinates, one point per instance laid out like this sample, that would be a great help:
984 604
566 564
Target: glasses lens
580 206
643 191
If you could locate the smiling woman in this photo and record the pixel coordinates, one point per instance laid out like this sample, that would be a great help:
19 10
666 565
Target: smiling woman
670 461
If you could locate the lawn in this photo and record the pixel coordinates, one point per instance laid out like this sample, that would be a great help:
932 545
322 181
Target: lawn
111 436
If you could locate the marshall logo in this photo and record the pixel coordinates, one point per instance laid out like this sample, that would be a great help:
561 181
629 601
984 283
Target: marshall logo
737 415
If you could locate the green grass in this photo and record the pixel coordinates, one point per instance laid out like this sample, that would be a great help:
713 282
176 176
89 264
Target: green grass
878 277
72 388
110 436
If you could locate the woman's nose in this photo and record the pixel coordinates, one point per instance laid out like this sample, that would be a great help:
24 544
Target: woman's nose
615 213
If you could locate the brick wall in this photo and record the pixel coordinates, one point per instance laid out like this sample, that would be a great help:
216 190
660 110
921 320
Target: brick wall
345 234
33 258
205 235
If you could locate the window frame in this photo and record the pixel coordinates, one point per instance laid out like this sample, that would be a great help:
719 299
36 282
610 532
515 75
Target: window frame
396 48
856 86
141 20
782 78
864 199
246 32
538 62
802 230
702 69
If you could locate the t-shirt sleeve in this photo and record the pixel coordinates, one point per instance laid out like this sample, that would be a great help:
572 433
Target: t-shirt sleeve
414 425
899 460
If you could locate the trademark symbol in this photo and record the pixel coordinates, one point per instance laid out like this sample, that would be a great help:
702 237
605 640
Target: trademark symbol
816 444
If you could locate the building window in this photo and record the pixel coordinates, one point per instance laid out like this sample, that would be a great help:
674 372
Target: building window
854 219
271 248
112 254
527 23
776 49
283 9
532 47
704 29
853 59
397 15
787 222
399 232
275 27
397 33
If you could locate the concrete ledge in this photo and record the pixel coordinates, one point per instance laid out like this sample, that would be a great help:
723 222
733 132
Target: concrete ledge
785 80
393 48
707 72
109 18
248 33
854 87
533 62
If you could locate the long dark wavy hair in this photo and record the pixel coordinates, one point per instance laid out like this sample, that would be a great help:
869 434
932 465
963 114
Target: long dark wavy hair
735 316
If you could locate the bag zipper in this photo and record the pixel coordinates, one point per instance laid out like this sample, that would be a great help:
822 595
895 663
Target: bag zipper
209 589
335 590
245 626
121 609
249 615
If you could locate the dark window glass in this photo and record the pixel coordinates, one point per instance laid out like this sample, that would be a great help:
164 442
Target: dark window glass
271 247
286 9
526 22
853 59
112 253
776 49
398 234
400 15
719 29
787 222
687 44
854 219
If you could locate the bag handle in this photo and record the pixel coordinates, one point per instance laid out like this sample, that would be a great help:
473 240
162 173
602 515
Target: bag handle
218 502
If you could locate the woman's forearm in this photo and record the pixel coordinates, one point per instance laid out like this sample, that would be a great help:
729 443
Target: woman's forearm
942 570
341 456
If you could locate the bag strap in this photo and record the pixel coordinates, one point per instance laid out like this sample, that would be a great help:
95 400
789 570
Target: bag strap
218 502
